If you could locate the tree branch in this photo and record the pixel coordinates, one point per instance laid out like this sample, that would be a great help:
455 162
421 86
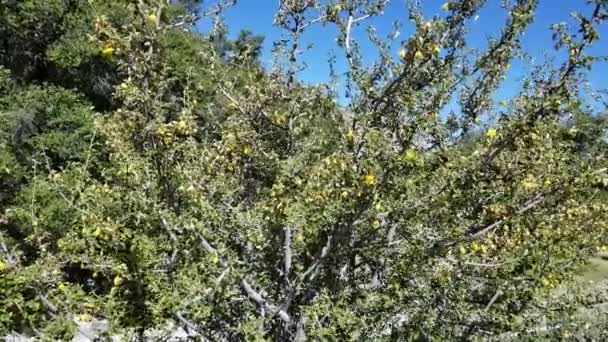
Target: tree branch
287 250
262 303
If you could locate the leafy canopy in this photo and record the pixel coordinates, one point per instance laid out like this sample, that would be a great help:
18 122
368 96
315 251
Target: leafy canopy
155 177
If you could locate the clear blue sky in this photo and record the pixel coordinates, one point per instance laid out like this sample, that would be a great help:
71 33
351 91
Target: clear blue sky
257 16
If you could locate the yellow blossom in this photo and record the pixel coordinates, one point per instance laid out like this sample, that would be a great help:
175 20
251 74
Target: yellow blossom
3 266
152 17
446 6
350 136
118 280
247 150
545 282
411 155
369 179
418 55
181 126
529 183
491 133
107 50
85 317
402 53
97 232
436 49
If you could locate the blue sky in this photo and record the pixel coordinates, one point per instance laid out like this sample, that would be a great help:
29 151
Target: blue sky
257 15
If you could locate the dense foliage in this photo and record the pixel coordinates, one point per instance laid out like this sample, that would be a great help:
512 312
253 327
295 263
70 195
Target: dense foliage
155 177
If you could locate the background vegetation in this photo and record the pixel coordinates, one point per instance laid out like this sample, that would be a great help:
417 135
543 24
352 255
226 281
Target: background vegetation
155 177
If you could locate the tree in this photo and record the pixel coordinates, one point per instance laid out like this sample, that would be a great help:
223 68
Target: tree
242 204
247 47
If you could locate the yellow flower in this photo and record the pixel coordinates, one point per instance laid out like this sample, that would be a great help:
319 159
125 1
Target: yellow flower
491 133
369 179
350 136
402 53
475 246
97 232
118 280
545 282
85 317
411 155
107 50
462 249
247 150
418 55
152 17
181 126
215 259
436 49
3 266
529 183
502 102
162 130
446 6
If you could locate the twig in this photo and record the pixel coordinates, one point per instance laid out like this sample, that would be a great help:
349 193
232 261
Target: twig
455 261
494 298
263 304
314 266
538 199
251 293
232 100
287 250
167 228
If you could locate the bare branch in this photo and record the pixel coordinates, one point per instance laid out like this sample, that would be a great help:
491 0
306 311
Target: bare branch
300 331
538 199
475 264
167 228
493 300
259 300
255 296
287 250
313 268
